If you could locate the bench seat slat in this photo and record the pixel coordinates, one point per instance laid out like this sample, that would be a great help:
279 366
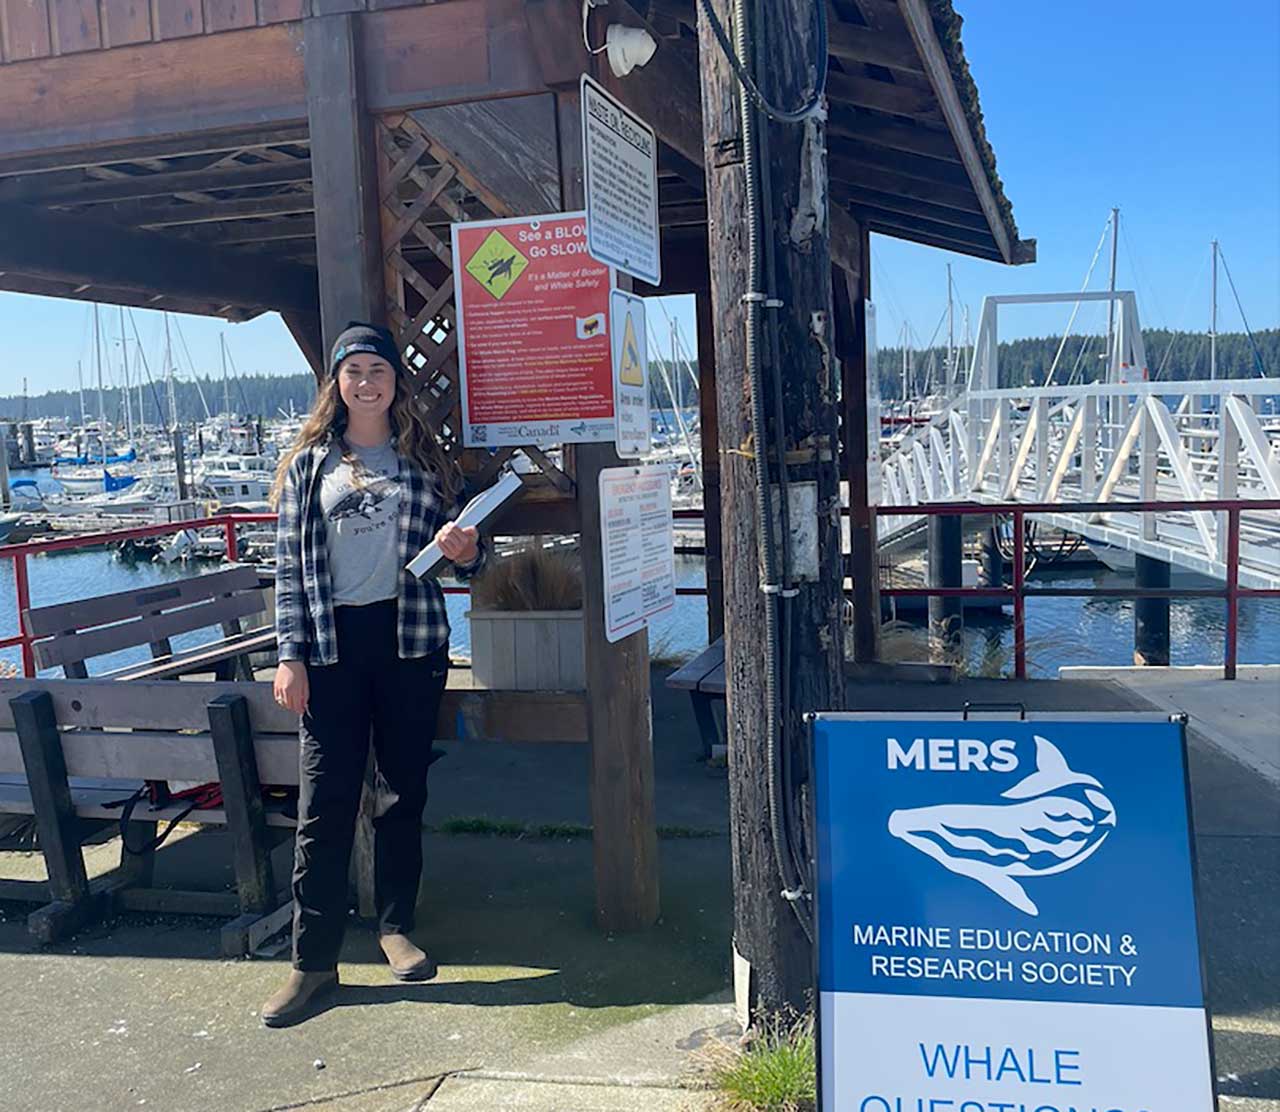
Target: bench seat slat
201 658
691 675
84 644
157 756
45 621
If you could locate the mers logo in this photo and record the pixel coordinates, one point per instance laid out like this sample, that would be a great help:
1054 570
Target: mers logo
1051 820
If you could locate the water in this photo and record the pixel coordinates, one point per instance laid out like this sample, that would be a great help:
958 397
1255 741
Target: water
1060 631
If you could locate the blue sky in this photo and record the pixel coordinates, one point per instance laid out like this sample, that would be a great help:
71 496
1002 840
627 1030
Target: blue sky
1167 109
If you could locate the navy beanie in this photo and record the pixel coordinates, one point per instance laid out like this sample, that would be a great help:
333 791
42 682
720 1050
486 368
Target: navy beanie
359 337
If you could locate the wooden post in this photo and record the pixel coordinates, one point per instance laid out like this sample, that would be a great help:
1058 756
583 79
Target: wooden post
343 178
946 569
768 937
709 427
56 822
849 293
1150 615
619 712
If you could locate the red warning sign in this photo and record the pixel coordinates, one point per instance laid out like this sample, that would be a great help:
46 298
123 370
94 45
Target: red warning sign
533 324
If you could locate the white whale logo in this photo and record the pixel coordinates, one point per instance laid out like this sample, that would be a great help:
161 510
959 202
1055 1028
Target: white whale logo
1057 820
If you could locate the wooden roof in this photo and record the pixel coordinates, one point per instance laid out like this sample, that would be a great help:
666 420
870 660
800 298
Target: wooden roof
173 145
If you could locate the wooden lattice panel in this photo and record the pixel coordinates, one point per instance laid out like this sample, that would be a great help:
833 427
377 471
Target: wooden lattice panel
424 188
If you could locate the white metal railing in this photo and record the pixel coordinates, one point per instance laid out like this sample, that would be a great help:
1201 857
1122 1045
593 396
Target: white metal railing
1118 441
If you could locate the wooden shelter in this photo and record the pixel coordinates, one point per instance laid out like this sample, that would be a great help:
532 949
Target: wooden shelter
231 157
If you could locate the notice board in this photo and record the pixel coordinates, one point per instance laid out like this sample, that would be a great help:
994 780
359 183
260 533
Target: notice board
533 332
1006 915
637 547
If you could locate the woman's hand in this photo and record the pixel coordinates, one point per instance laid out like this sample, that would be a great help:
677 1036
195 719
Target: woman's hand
460 543
291 687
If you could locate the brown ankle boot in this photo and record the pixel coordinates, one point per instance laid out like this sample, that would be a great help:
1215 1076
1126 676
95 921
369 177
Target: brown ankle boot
408 963
296 1000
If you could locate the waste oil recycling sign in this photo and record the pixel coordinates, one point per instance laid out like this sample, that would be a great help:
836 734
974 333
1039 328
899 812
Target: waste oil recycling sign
1006 916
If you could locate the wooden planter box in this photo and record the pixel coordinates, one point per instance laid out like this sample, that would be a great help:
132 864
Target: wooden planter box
528 650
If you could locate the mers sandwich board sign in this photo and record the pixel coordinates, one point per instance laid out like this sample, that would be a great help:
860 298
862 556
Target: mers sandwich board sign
1006 916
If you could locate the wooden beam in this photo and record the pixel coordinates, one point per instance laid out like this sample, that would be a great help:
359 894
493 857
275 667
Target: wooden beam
920 25
14 282
72 248
173 146
858 91
307 334
920 167
851 43
875 202
34 190
242 208
266 231
452 53
237 80
847 123
921 232
344 177
980 238
853 172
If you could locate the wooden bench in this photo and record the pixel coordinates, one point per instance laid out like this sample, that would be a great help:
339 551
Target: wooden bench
69 748
703 678
70 633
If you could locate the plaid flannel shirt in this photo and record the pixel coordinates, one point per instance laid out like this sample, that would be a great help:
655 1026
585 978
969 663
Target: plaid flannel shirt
304 593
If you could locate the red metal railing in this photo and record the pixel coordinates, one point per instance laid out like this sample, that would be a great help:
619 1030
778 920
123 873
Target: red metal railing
1017 591
18 553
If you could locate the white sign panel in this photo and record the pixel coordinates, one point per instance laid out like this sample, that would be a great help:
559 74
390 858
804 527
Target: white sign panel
620 174
637 547
629 337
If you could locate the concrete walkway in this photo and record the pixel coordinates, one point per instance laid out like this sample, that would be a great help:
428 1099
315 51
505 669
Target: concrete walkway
534 1008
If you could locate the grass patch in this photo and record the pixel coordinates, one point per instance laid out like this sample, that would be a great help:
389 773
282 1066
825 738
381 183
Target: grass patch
775 1072
507 828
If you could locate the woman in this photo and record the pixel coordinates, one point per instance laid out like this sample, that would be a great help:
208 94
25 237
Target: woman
364 648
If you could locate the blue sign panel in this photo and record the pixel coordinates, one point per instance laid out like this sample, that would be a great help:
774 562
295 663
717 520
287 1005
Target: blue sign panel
1006 913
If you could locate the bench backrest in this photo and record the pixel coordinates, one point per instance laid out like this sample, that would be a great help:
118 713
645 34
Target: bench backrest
70 633
102 710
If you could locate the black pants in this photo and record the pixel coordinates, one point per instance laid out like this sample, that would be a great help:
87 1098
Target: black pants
369 692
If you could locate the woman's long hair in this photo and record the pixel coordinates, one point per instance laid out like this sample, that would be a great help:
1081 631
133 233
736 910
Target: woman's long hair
415 438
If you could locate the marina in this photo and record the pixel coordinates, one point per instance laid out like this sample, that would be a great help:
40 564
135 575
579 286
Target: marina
862 603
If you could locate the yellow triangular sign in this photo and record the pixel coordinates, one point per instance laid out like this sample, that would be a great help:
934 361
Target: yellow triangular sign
630 373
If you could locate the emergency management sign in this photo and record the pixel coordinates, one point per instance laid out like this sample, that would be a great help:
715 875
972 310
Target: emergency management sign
1006 916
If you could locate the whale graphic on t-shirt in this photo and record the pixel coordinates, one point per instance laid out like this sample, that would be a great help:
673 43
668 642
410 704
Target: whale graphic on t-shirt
362 501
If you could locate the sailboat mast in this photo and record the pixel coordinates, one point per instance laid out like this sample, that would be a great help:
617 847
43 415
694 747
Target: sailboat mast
80 381
904 362
168 376
226 382
1213 317
1111 305
97 362
951 337
124 365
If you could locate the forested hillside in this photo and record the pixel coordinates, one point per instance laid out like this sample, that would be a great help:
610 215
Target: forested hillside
1170 355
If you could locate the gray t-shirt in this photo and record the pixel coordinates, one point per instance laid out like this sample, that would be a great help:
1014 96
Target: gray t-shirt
361 507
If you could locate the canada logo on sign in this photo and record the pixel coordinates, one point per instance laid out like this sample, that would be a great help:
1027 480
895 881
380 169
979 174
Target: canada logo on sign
1054 819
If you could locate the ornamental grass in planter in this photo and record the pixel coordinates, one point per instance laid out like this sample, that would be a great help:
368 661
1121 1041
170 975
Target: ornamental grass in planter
526 623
